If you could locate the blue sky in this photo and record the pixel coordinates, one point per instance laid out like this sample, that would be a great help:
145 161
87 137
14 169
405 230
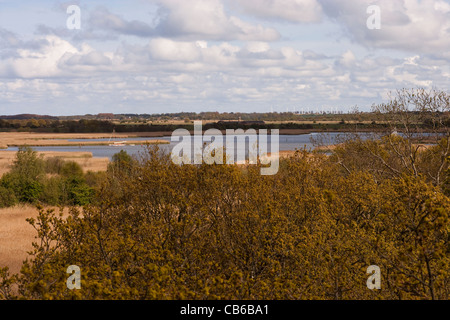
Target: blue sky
156 56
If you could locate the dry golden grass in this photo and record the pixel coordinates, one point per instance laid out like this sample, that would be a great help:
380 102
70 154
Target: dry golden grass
61 139
16 235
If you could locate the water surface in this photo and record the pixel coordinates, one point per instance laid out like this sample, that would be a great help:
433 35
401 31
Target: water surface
286 143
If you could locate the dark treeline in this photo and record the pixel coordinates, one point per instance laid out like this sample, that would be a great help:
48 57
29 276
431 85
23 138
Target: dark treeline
99 126
162 122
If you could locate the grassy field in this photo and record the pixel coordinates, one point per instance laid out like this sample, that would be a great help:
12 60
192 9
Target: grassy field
16 235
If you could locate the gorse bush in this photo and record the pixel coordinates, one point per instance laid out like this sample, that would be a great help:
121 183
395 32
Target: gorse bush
162 231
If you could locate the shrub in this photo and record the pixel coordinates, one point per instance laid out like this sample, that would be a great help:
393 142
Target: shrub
30 191
71 169
7 197
54 165
53 192
221 232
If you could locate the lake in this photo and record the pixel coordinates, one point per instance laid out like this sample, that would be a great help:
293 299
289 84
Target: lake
286 143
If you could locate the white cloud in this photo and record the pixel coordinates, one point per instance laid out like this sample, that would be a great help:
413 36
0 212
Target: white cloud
408 25
92 58
258 46
170 73
166 49
284 10
102 18
28 63
208 55
186 20
208 20
347 60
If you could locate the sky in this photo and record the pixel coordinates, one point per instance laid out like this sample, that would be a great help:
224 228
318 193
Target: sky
167 56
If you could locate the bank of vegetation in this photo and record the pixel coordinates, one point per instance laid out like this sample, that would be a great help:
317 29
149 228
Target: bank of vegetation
51 181
98 126
156 230
167 123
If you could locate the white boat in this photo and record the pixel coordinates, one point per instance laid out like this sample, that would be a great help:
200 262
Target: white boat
118 144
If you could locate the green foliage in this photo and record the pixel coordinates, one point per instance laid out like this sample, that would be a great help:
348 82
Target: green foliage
53 192
79 193
121 162
28 165
29 191
26 176
446 185
121 157
52 181
25 188
7 197
71 169
53 165
225 232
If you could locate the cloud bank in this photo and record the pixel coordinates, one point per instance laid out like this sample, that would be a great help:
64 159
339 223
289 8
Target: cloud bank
255 55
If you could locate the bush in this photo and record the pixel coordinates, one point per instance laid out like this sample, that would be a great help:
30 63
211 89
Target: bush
53 192
220 232
27 182
30 191
54 165
7 197
77 191
121 162
95 179
71 169
28 165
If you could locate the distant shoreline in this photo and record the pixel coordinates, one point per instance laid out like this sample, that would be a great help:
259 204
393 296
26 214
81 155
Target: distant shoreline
83 143
17 139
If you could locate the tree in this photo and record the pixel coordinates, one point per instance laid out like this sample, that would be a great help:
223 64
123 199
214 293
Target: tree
26 175
74 184
28 164
121 161
419 115
166 231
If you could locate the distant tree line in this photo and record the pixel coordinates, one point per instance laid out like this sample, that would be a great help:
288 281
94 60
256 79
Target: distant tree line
156 123
98 126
